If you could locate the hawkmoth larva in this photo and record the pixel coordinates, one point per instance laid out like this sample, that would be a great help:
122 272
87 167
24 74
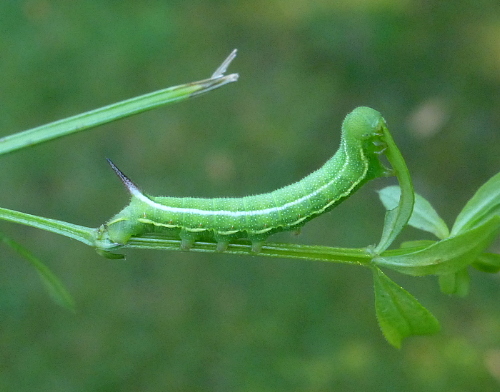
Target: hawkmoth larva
254 218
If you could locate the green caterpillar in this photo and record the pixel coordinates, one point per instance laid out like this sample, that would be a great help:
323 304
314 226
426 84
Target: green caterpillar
254 218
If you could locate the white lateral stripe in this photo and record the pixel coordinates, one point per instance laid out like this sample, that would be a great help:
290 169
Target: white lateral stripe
196 211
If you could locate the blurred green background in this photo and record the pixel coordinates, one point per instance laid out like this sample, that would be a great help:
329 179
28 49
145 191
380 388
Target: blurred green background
162 321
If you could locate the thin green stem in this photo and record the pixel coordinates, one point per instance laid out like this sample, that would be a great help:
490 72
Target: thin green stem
77 232
88 236
116 111
356 256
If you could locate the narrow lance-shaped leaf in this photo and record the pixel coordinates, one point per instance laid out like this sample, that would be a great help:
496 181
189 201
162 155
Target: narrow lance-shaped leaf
396 218
484 204
456 283
487 262
446 256
54 286
399 314
423 217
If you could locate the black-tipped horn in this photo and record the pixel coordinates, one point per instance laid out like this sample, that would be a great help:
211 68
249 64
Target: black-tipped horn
131 187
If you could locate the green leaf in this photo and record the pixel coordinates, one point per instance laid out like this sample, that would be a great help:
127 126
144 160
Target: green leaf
399 314
484 204
110 255
423 217
457 283
417 244
396 219
487 262
446 256
54 286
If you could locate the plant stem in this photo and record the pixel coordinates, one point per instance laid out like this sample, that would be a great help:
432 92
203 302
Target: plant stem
77 232
88 236
357 256
116 111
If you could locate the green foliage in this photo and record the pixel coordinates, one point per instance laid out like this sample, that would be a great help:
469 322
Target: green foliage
54 286
480 208
399 314
487 262
189 321
424 216
396 218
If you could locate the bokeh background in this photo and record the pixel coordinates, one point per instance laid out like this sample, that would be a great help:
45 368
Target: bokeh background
162 321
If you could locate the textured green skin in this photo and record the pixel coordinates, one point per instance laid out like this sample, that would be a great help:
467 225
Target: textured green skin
355 162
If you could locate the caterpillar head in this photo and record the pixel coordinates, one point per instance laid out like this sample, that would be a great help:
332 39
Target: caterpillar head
362 123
